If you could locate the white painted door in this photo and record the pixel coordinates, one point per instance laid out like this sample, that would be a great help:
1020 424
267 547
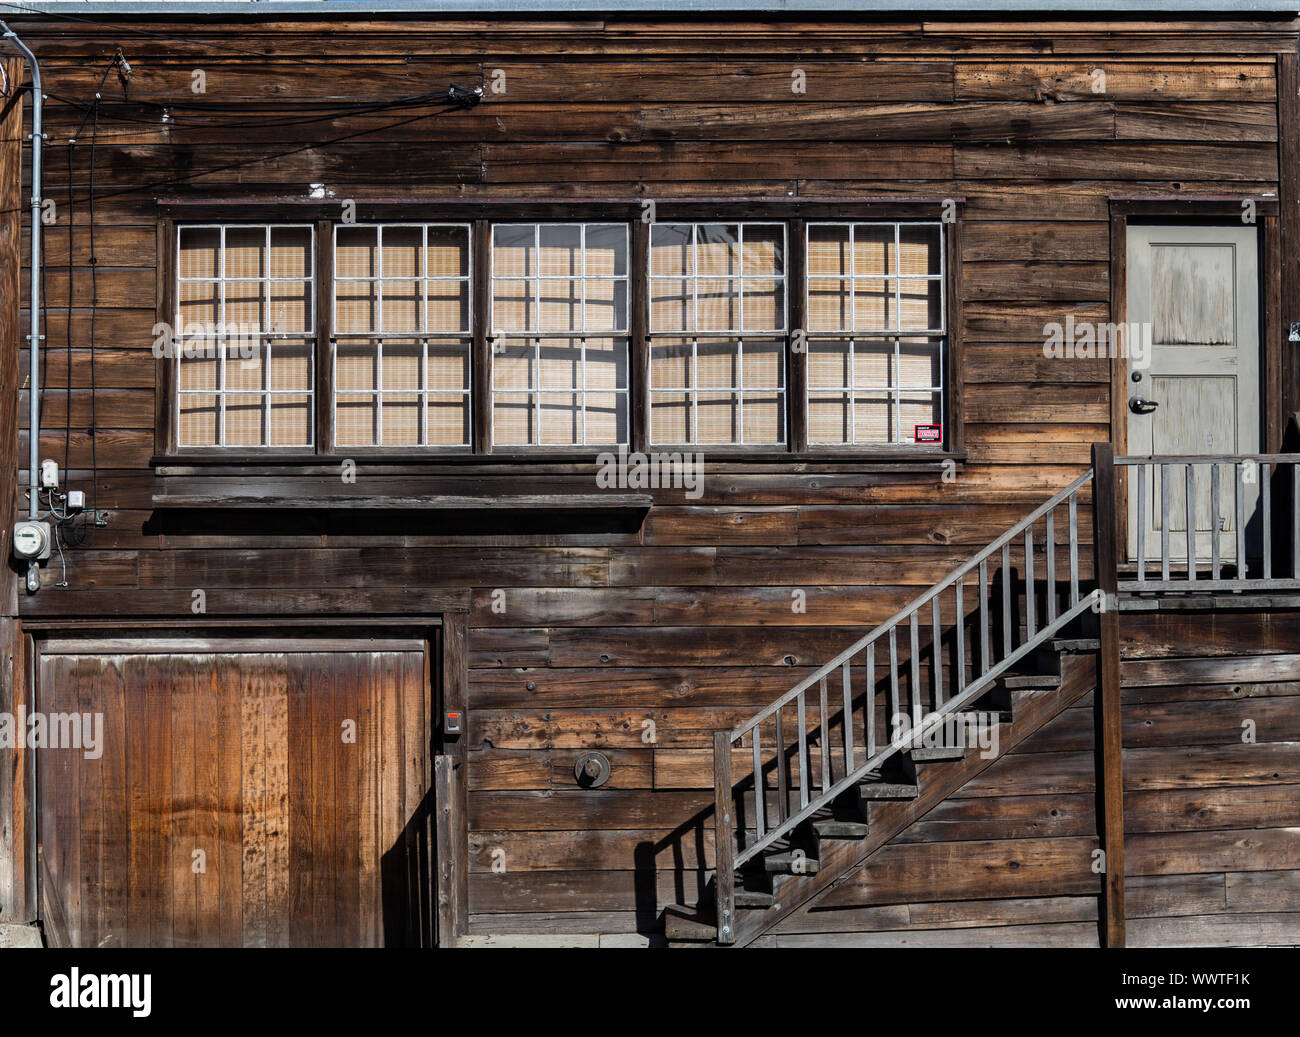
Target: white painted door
1197 392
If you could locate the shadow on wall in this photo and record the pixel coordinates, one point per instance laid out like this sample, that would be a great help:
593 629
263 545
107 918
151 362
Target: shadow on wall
409 882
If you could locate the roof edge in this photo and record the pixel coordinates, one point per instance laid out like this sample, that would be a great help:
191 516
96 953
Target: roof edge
1232 9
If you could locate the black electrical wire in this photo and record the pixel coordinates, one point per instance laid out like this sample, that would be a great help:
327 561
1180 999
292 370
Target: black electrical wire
172 181
452 98
72 525
243 106
458 99
305 62
94 308
93 114
72 232
237 113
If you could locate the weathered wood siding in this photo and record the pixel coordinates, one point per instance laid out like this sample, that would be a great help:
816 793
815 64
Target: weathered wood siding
1212 777
687 621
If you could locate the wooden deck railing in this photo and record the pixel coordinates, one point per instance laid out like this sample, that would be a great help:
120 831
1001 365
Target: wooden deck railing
840 725
1212 523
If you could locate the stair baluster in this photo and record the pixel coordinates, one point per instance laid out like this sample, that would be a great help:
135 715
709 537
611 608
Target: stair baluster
736 847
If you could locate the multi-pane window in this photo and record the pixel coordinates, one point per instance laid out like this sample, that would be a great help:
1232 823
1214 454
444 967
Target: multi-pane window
717 333
552 326
876 331
244 334
559 334
402 335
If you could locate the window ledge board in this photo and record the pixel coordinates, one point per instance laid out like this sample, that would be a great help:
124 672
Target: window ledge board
502 465
383 502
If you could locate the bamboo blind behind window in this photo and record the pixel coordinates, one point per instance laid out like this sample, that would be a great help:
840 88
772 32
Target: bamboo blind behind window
559 330
243 334
402 335
876 331
717 333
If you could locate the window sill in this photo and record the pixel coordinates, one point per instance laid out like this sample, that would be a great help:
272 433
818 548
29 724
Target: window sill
424 462
368 500
475 494
417 481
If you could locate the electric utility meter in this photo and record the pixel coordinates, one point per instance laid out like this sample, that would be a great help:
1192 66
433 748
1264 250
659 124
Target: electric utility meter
31 540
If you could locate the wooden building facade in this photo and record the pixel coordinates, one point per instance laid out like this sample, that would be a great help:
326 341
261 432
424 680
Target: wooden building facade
346 321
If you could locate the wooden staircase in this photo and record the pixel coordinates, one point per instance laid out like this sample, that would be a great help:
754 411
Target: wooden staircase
823 852
869 743
883 732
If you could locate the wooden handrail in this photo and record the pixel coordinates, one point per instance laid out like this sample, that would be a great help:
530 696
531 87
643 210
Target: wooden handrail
1137 459
914 606
857 764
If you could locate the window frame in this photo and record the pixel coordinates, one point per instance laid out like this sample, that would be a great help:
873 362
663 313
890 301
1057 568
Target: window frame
481 214
629 279
170 316
332 337
941 335
738 334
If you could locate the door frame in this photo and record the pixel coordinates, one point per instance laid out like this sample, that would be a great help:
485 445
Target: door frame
1209 210
442 639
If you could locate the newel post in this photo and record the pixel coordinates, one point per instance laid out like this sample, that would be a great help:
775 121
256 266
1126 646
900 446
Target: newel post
1107 704
724 880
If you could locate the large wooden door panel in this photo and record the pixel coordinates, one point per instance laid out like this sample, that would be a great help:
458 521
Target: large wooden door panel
241 799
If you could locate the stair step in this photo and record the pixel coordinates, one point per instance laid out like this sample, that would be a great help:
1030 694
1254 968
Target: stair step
791 864
936 753
1076 644
749 898
887 790
966 717
686 923
841 829
1030 681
